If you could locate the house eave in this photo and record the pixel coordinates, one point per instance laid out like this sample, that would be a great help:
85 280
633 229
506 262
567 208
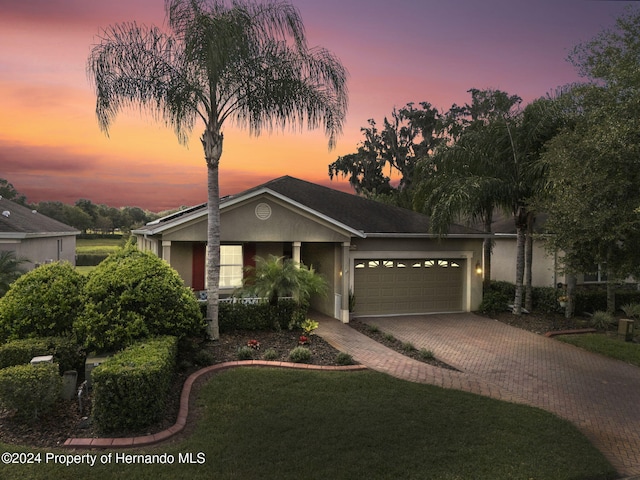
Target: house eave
26 235
426 235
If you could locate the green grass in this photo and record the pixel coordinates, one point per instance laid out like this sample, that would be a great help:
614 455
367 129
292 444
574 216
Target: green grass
84 270
97 246
291 424
605 345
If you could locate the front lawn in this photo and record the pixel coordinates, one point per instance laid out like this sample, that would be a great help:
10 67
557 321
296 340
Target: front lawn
281 424
605 345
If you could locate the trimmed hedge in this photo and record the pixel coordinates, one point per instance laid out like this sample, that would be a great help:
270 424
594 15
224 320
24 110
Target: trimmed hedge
30 389
134 295
89 259
66 352
43 302
260 316
130 388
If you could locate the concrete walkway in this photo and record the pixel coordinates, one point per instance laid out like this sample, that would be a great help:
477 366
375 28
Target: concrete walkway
599 395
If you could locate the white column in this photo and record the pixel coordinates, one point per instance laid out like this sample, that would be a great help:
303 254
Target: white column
166 251
346 281
296 252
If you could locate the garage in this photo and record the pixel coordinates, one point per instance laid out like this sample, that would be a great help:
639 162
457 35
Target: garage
403 286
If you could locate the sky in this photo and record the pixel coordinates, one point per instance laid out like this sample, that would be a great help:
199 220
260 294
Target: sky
51 147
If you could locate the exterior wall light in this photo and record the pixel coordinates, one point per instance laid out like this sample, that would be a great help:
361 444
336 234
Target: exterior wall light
478 268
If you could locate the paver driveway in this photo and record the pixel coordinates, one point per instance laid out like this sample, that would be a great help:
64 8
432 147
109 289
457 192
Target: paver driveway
599 395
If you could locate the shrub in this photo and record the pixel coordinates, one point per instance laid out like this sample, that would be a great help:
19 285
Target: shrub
66 352
632 310
43 302
31 390
270 354
545 299
260 316
493 302
133 295
426 354
300 355
407 347
601 320
343 358
245 353
130 388
203 358
505 288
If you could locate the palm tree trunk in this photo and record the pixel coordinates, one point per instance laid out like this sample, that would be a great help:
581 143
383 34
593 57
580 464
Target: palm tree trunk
486 252
521 229
528 257
571 303
212 144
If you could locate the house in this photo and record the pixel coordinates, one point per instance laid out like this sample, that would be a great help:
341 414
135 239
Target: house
546 269
34 236
382 256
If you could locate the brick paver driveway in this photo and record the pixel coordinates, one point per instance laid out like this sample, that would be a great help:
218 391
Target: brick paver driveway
599 395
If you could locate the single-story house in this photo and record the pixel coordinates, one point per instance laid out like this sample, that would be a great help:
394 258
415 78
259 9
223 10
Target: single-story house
383 256
35 237
546 269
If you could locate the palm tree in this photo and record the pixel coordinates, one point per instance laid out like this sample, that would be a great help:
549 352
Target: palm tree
10 269
224 61
275 277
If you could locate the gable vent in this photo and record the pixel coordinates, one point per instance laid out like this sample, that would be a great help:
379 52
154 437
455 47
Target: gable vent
263 211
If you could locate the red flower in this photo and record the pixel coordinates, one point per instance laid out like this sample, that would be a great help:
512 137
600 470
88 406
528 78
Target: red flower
303 340
255 344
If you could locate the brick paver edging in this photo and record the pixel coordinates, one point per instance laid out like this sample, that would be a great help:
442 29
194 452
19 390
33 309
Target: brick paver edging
570 332
183 413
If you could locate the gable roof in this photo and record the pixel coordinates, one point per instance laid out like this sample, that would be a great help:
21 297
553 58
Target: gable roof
362 216
18 221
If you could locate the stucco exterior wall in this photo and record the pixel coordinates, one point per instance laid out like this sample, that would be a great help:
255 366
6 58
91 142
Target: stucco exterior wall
43 249
543 265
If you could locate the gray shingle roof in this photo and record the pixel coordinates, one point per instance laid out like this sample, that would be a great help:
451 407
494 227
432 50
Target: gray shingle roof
21 221
357 213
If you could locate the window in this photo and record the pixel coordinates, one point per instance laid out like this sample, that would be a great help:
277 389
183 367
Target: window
596 275
230 266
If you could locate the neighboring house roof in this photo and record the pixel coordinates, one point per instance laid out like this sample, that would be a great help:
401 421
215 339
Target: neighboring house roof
18 221
357 214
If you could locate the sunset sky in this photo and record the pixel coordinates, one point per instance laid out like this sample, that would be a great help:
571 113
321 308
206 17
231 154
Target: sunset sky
395 51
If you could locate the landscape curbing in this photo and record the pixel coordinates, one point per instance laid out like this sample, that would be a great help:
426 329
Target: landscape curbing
183 413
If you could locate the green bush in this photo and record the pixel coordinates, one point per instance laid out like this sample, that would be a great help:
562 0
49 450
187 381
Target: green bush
506 288
493 302
260 316
426 354
602 320
545 299
300 355
343 358
43 302
245 353
270 354
130 388
30 390
133 295
66 352
89 259
632 310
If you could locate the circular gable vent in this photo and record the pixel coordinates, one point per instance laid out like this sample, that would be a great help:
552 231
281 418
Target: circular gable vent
263 211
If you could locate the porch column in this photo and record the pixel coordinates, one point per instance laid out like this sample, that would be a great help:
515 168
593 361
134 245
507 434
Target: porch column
346 281
166 251
296 252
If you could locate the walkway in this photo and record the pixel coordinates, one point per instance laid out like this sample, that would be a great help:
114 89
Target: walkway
599 395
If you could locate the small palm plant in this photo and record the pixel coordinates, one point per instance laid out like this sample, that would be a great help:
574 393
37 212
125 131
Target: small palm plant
276 277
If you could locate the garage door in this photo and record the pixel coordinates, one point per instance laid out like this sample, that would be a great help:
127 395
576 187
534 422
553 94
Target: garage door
383 286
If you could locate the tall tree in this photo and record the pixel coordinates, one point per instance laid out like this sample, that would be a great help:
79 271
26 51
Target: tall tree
222 61
8 191
409 135
471 176
594 170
